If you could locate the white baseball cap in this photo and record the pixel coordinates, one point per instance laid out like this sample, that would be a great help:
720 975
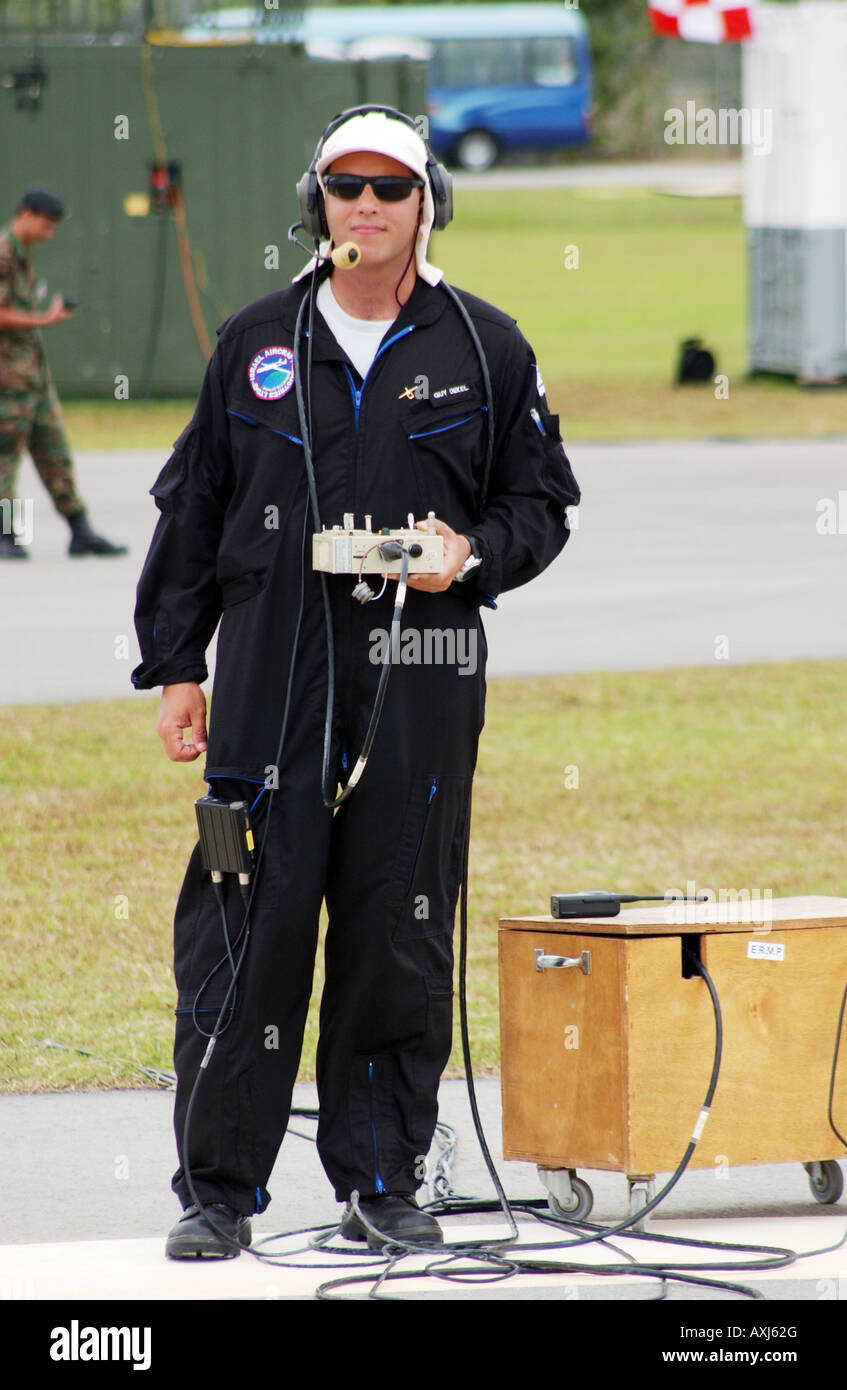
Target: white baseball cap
381 134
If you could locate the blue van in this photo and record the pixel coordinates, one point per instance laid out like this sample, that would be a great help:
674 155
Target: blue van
502 79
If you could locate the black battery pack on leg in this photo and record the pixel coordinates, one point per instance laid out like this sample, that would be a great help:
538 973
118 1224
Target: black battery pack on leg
226 838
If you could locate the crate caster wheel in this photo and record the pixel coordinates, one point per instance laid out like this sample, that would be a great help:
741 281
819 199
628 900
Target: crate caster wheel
826 1181
568 1196
641 1191
584 1199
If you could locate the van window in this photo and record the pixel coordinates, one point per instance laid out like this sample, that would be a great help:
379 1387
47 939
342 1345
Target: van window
552 62
478 62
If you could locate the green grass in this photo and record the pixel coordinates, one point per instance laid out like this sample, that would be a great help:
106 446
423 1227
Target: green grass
653 270
732 777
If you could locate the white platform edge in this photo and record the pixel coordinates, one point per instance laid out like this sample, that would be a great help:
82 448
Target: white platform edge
138 1269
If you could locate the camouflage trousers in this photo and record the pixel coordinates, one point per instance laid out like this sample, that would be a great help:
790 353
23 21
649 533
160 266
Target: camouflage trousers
35 422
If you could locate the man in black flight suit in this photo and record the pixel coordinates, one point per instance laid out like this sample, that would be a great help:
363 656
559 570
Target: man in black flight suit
399 417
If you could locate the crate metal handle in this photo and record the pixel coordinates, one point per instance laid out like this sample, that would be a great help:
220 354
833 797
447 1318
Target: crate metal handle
543 962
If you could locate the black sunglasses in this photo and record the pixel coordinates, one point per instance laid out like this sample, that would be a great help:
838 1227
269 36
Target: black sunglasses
388 188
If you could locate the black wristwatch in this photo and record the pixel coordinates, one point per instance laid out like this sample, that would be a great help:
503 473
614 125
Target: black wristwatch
473 561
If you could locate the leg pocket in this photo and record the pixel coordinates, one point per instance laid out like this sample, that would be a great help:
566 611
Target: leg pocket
427 875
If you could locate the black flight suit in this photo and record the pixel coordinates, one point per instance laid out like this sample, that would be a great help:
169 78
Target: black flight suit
233 543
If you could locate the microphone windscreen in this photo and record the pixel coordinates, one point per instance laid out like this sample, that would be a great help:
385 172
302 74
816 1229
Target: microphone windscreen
346 256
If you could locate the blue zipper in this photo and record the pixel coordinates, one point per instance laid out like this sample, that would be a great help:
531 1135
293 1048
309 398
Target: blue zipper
357 391
433 789
380 1186
421 434
261 425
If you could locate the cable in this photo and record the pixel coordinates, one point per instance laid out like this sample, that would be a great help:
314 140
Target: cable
379 699
156 307
184 248
832 1124
463 1023
165 1079
777 1257
177 205
304 415
489 394
498 1259
245 925
305 422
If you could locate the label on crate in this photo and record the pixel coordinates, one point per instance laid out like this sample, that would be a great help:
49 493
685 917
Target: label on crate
765 950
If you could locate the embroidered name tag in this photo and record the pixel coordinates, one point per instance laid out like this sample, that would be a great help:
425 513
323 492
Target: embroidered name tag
445 395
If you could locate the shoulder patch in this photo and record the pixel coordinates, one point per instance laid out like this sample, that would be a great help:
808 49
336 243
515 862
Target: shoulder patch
271 373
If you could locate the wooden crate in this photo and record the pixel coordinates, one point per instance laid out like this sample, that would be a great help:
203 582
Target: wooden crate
610 1069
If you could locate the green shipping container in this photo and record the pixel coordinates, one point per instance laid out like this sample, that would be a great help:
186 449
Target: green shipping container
241 122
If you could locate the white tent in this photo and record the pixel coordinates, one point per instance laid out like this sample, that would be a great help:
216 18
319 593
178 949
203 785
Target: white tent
795 201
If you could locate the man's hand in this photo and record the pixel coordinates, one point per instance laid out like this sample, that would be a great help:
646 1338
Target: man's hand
27 318
183 707
456 551
57 313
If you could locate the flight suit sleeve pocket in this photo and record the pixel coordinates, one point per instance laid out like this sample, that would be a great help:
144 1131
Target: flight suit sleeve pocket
557 472
551 425
175 471
169 481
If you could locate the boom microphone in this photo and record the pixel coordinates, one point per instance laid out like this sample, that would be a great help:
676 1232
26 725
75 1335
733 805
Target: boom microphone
346 256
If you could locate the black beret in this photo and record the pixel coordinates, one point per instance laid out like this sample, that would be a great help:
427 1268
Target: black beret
43 200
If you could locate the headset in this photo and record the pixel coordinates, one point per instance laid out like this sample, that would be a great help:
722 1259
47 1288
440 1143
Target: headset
311 199
313 221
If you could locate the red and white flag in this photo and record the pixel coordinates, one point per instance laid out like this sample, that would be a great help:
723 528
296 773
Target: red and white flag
702 21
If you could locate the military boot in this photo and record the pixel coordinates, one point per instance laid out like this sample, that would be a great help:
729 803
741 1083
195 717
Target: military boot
84 541
10 547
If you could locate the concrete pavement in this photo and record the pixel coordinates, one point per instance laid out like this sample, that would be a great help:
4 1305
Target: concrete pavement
677 545
697 178
88 1204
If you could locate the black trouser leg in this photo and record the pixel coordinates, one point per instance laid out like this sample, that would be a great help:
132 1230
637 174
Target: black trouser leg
240 1110
394 872
386 1012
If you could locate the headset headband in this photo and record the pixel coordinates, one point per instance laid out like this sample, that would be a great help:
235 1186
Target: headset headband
310 197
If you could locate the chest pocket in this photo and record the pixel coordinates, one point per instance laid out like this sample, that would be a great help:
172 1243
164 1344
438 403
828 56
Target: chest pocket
270 475
446 445
255 423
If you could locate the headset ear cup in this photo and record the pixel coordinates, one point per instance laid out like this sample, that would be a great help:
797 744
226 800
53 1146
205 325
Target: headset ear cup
441 183
311 204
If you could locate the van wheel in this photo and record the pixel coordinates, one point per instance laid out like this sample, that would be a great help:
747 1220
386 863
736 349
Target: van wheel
476 150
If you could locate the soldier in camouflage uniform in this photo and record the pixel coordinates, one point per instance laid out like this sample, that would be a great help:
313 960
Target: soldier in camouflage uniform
30 415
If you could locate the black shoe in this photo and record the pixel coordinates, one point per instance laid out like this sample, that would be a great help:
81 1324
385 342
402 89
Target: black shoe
193 1238
11 549
397 1215
84 541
